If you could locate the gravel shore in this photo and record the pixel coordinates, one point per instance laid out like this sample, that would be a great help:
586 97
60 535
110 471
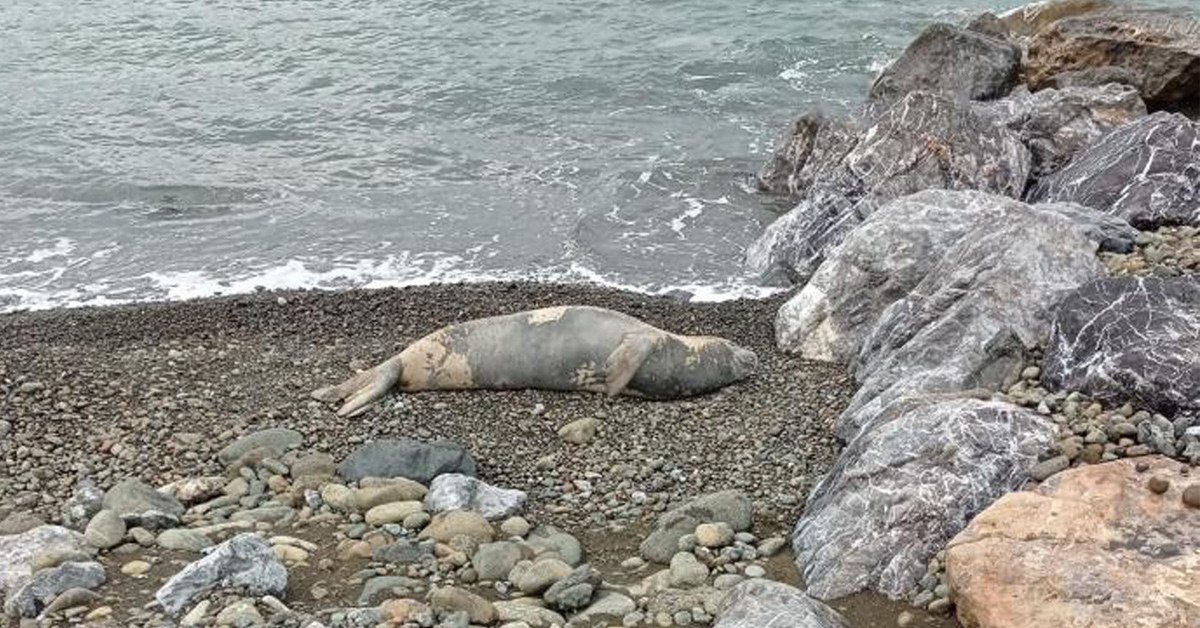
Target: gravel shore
155 390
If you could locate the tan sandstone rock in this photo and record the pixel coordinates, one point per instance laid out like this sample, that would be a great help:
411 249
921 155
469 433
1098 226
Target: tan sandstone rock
1091 547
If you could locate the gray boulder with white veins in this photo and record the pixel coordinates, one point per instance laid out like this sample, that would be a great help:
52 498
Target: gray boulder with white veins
455 491
17 551
972 319
1057 123
911 480
759 603
895 249
813 145
244 561
960 63
924 141
1147 171
1125 338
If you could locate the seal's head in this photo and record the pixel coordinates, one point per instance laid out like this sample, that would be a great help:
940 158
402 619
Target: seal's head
745 362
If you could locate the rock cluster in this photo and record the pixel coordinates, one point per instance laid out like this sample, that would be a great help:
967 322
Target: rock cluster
956 272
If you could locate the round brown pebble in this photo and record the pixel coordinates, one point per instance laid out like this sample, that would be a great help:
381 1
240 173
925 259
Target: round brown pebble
1159 485
1191 496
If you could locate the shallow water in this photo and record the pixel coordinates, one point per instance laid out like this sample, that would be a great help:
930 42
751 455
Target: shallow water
181 148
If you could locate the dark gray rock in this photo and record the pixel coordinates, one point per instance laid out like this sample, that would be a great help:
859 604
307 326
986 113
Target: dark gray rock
894 250
972 319
276 440
1160 49
575 591
141 506
1056 123
402 552
1147 171
923 142
407 458
732 507
244 561
962 64
759 603
813 146
1125 338
47 584
911 480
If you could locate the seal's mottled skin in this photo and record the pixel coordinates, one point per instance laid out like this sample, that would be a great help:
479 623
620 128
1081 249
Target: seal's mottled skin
566 348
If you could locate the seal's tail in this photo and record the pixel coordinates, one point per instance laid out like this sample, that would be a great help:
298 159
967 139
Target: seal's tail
363 389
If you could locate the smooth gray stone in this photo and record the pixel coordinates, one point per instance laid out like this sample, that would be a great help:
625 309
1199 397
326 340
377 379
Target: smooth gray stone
548 538
47 584
141 505
1147 172
732 507
243 561
455 491
417 461
972 320
893 251
1124 339
962 64
911 480
277 440
761 603
923 142
493 561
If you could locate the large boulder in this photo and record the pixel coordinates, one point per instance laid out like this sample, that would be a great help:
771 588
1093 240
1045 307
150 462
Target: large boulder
245 561
894 250
406 458
975 316
1092 544
759 603
1147 171
1129 339
1160 48
911 481
17 551
1056 123
925 141
960 63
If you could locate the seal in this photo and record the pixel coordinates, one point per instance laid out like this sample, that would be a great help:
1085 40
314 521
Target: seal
568 348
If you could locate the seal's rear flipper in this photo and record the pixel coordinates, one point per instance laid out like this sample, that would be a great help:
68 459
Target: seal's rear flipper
363 389
623 363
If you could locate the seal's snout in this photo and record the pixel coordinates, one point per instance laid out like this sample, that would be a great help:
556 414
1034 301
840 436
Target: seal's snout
745 362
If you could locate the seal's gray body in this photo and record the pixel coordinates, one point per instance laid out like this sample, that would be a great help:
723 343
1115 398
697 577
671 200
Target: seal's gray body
561 348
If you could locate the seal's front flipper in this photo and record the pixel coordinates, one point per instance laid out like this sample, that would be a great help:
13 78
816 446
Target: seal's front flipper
363 389
623 363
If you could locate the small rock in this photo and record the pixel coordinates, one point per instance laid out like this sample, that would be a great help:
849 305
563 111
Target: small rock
579 432
1159 485
276 440
135 568
392 513
714 534
1046 468
687 571
451 599
1191 496
449 524
240 614
515 526
541 575
455 491
105 530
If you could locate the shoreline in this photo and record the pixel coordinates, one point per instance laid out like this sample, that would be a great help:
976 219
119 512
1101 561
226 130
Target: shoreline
153 390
